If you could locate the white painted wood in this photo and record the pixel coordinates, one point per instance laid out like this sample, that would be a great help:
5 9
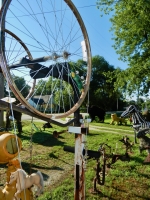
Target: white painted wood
74 129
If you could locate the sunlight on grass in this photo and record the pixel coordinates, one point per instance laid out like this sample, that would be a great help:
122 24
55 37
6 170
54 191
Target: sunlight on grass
124 180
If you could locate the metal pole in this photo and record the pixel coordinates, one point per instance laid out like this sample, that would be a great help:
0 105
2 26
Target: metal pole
1 85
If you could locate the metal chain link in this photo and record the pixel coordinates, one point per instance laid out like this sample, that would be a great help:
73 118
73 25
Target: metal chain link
31 146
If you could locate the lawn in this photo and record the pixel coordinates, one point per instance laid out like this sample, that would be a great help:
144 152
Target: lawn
124 180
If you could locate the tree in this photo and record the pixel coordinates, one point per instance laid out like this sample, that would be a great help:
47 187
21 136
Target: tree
131 27
130 23
44 87
21 85
62 97
102 91
59 89
130 83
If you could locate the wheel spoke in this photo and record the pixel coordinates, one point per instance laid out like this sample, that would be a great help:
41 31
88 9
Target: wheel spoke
52 34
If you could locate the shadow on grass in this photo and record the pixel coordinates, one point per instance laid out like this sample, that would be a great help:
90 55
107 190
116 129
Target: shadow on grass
43 138
117 188
34 168
99 194
52 155
137 159
24 136
92 134
98 122
141 197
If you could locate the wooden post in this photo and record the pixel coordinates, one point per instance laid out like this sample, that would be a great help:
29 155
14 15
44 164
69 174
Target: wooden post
79 169
79 187
1 85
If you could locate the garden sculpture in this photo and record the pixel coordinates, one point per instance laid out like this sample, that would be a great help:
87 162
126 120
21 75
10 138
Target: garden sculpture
56 134
99 178
10 189
60 64
59 61
47 125
24 181
8 147
117 120
104 162
144 140
138 121
128 144
124 157
102 167
128 149
96 111
144 143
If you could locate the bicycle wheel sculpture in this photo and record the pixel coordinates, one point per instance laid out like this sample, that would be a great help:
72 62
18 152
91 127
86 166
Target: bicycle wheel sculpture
54 33
13 43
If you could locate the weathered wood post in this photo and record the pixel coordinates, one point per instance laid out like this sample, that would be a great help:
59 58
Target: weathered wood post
80 151
79 191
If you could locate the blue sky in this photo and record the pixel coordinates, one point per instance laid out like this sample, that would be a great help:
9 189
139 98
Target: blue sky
98 31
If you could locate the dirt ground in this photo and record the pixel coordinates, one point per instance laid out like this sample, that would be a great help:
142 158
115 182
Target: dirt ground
49 168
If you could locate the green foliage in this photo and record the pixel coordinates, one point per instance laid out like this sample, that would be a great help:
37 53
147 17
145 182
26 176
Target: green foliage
79 65
21 85
62 96
62 90
45 87
102 86
41 87
131 27
46 196
130 22
59 89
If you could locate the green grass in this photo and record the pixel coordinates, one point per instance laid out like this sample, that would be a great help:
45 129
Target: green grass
124 181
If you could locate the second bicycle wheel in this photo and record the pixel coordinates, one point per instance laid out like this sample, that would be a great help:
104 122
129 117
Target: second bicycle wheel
56 36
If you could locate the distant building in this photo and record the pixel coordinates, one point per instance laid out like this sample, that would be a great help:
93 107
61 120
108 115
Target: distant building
43 103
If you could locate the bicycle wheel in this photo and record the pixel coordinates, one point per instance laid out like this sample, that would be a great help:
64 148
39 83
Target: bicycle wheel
56 36
15 42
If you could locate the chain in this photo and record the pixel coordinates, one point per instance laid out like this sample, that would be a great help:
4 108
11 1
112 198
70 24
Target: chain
31 146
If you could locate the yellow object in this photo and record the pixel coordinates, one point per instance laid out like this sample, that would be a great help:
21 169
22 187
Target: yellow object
118 120
8 192
73 74
78 81
9 147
